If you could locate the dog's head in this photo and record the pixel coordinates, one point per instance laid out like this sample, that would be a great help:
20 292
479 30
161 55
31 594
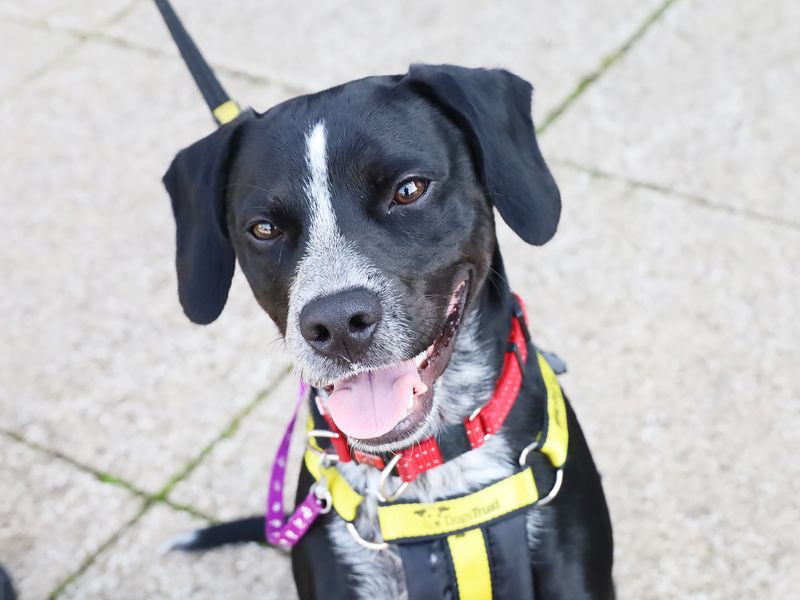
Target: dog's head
362 219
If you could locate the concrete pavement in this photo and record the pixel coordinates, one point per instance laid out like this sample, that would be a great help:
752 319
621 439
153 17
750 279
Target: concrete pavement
671 289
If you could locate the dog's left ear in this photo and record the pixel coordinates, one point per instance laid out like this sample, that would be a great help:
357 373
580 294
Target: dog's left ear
494 108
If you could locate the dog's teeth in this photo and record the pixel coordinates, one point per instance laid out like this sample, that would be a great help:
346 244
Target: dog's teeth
420 358
410 404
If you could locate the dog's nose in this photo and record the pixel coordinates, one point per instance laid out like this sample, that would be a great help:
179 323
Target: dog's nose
341 325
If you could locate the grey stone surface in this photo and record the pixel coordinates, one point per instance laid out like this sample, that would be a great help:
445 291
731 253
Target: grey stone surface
232 481
678 321
82 14
27 51
101 362
317 44
706 104
52 517
134 568
679 325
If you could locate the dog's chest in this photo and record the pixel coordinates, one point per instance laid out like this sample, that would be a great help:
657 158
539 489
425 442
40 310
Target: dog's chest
380 574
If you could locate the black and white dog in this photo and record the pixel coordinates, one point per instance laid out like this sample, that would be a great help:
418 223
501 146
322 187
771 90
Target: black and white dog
362 217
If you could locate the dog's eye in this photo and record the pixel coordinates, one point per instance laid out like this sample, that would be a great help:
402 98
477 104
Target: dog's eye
264 230
410 191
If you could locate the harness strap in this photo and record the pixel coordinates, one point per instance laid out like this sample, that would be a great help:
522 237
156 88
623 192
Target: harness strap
479 564
471 565
417 521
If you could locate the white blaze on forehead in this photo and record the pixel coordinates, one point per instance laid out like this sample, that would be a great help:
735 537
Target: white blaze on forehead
330 264
323 219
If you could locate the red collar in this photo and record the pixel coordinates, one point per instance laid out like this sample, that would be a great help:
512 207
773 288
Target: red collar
475 430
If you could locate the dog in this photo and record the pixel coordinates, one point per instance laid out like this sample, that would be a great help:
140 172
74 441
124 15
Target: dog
363 219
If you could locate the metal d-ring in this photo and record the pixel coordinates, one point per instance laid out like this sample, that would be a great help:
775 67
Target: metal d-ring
523 456
383 495
554 492
376 546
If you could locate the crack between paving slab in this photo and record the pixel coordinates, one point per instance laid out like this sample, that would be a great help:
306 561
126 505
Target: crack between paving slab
606 63
695 199
101 476
103 37
105 477
63 56
230 429
89 560
151 500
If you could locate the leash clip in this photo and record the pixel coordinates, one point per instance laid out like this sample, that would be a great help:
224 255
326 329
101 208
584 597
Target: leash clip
323 495
383 495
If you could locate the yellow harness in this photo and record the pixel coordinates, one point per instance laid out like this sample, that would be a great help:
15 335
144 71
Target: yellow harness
460 519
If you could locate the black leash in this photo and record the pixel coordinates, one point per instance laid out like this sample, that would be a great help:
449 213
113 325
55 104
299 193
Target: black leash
223 108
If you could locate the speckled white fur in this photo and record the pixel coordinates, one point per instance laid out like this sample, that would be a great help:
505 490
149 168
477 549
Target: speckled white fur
331 264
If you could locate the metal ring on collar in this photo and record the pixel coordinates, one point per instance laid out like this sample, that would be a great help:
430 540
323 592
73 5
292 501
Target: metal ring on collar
553 492
376 546
523 456
383 495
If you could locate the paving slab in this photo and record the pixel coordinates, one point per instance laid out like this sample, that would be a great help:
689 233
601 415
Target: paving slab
317 44
705 103
133 568
232 481
83 14
53 517
26 52
99 361
678 326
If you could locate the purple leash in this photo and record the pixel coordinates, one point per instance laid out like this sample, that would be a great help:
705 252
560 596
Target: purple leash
286 534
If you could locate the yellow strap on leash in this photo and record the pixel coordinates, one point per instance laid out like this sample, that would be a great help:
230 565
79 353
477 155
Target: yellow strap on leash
226 112
419 520
471 564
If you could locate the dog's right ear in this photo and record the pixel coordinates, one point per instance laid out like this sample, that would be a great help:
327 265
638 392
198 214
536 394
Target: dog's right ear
197 181
493 107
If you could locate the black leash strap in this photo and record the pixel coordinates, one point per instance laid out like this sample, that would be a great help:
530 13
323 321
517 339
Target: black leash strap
219 102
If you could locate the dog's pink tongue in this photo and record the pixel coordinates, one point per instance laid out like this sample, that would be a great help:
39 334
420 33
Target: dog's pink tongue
371 404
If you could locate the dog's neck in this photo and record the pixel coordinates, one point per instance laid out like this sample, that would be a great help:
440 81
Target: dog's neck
480 346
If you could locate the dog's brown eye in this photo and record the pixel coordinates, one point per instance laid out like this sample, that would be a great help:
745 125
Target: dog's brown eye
264 230
410 191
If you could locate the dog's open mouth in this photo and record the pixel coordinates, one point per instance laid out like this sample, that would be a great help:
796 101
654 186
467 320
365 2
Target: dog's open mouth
388 404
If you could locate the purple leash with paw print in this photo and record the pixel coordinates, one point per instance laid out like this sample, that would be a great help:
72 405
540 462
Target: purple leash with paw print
286 533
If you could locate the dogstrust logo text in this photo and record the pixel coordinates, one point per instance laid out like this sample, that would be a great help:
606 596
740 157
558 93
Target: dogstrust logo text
444 516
